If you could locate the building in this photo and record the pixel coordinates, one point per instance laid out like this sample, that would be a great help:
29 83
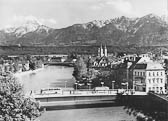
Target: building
147 55
149 77
139 77
155 78
102 51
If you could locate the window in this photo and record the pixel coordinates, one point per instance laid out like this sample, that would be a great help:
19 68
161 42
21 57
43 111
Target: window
149 74
161 80
157 80
153 88
157 89
149 80
153 73
161 73
157 74
149 88
138 73
135 73
143 73
153 80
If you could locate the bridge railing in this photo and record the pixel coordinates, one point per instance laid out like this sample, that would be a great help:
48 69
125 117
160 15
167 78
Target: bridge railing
93 92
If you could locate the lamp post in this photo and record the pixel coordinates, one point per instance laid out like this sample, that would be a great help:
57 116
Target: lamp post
133 85
102 83
113 84
76 85
89 84
65 84
127 85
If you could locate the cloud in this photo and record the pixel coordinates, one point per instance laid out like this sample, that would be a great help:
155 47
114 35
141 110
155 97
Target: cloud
97 6
123 6
19 20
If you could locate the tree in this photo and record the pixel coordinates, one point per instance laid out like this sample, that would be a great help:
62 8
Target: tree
14 105
80 69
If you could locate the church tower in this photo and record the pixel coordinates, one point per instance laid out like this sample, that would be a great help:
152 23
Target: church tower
105 51
101 51
98 52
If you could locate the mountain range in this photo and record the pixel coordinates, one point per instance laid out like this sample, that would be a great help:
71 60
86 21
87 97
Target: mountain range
149 30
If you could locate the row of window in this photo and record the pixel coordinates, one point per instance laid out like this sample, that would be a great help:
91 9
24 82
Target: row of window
155 74
139 73
155 80
155 88
150 73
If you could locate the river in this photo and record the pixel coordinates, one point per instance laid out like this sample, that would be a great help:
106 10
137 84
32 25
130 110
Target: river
59 76
49 77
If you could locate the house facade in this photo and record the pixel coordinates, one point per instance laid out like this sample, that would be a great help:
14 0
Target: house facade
155 78
149 77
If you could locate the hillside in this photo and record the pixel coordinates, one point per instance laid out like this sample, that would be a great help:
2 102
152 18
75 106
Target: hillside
149 30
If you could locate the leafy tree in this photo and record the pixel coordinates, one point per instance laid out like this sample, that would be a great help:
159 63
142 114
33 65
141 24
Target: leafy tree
14 106
80 69
103 76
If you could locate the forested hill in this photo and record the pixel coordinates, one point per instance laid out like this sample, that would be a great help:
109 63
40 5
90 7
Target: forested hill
149 30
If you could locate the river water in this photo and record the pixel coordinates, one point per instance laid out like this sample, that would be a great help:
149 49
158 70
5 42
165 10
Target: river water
59 76
49 77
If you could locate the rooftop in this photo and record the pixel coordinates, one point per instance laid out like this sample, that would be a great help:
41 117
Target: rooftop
154 66
144 60
140 66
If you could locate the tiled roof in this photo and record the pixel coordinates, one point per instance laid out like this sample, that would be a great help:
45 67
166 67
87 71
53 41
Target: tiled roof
140 66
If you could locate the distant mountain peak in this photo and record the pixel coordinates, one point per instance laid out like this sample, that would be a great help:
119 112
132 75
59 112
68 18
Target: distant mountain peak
151 15
26 27
118 31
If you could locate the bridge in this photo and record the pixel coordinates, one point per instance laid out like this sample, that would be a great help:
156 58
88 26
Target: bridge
80 97
153 105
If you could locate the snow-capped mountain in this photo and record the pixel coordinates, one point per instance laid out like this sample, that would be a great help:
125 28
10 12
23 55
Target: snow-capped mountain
28 26
147 30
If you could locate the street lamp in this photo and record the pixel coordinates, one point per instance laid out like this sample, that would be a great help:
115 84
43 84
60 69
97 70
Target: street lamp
102 83
113 84
65 84
76 85
127 85
133 85
89 84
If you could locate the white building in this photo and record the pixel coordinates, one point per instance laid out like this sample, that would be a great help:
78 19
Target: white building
148 55
155 78
149 77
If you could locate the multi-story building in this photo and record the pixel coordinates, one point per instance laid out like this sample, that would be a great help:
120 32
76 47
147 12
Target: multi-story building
139 77
149 77
155 78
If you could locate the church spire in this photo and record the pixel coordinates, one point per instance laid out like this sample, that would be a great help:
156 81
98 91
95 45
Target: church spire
101 51
105 51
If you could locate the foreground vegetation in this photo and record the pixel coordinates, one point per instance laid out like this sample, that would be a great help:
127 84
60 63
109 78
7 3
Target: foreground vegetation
14 105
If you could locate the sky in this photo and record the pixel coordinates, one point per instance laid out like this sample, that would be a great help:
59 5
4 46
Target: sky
63 13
